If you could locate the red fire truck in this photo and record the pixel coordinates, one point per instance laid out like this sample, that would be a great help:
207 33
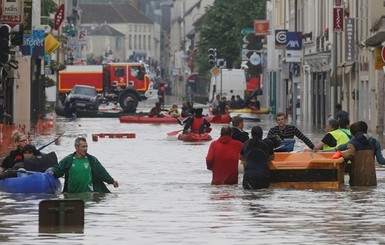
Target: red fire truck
125 83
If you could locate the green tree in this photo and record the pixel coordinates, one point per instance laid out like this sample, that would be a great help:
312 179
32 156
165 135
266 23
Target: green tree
222 27
48 7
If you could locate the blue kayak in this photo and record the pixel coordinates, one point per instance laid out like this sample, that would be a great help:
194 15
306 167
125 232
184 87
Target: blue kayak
33 183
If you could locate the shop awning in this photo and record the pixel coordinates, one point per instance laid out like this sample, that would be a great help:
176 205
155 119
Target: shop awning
376 40
319 62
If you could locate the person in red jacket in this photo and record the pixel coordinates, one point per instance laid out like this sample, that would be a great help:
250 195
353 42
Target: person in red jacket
222 158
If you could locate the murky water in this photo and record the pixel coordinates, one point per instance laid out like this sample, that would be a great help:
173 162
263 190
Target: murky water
165 197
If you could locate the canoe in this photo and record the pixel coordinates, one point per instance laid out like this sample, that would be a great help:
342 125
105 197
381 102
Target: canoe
250 111
168 120
34 183
145 119
307 170
98 114
246 116
286 145
194 137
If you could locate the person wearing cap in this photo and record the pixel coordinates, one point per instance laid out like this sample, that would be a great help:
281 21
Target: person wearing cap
156 111
197 124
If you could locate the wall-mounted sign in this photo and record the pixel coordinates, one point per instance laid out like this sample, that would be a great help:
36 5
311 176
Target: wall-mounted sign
280 38
33 44
261 27
338 19
350 30
11 7
294 40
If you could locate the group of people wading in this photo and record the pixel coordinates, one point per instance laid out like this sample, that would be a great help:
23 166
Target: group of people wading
351 141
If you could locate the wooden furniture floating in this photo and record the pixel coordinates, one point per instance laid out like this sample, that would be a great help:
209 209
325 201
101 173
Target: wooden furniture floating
307 170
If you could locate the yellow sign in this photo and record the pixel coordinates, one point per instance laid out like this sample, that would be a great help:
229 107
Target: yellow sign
51 44
215 71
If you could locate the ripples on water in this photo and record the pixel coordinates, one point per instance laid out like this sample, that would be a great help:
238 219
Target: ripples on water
165 197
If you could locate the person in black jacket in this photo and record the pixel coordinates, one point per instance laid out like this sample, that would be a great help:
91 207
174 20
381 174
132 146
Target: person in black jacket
16 155
288 131
238 133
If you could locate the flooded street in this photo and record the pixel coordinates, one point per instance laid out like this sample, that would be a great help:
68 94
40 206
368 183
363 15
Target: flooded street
165 197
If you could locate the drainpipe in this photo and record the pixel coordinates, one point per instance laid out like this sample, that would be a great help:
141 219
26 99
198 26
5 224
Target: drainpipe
357 68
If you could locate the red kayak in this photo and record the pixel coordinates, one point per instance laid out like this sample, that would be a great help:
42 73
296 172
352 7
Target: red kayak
146 119
194 137
169 120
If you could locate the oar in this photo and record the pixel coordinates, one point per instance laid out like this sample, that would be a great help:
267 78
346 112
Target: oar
173 133
44 146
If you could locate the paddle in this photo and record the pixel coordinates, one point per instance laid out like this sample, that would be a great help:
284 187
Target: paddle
173 133
216 118
44 146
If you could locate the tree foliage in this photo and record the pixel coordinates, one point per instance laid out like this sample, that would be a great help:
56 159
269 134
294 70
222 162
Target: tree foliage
48 7
221 29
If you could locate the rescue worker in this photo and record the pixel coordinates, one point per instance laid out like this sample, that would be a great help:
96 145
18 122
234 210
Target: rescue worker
197 123
334 137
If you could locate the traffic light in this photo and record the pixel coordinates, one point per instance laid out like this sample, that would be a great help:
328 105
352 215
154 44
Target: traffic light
5 43
221 63
212 56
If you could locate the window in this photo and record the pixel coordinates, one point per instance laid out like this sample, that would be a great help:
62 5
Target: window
119 71
119 43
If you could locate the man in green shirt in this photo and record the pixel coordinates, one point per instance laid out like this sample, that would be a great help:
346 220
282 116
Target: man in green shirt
82 171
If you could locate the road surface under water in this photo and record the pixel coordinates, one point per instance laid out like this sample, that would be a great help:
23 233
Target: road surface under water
165 197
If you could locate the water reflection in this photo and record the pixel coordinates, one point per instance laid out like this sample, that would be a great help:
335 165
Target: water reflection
165 197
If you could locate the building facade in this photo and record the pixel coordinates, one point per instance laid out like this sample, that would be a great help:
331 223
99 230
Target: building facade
142 35
339 61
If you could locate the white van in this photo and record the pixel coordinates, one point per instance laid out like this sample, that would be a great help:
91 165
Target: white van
229 82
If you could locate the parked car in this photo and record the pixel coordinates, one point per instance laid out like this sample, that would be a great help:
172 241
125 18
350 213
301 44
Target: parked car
84 98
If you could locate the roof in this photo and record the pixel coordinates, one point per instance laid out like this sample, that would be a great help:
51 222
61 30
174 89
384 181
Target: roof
111 13
103 30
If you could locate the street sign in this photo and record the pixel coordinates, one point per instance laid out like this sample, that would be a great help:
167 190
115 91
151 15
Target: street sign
59 16
247 31
255 58
383 54
215 71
